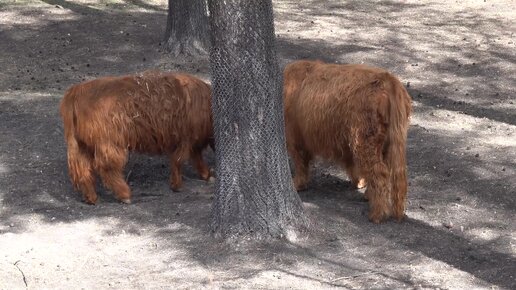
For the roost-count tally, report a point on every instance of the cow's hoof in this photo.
(126, 200)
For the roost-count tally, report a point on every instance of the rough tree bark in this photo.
(187, 32)
(254, 191)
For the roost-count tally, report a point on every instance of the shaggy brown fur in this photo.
(357, 116)
(153, 112)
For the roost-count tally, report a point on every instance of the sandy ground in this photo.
(456, 57)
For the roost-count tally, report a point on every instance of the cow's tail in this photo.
(80, 166)
(398, 113)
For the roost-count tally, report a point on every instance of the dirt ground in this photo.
(458, 59)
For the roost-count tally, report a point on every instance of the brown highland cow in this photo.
(153, 112)
(357, 116)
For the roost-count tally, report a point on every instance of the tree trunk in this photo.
(254, 191)
(187, 31)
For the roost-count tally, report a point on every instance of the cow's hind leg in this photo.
(80, 167)
(355, 176)
(399, 188)
(177, 158)
(301, 161)
(369, 157)
(201, 166)
(110, 161)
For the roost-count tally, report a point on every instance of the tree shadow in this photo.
(85, 9)
(93, 42)
(293, 49)
(505, 115)
(144, 5)
(426, 94)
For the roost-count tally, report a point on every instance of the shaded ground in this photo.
(458, 60)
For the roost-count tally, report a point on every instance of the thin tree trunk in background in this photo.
(187, 32)
(254, 191)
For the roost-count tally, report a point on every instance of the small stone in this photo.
(477, 155)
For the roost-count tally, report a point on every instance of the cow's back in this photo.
(150, 112)
(324, 107)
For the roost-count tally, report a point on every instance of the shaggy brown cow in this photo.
(153, 112)
(357, 116)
